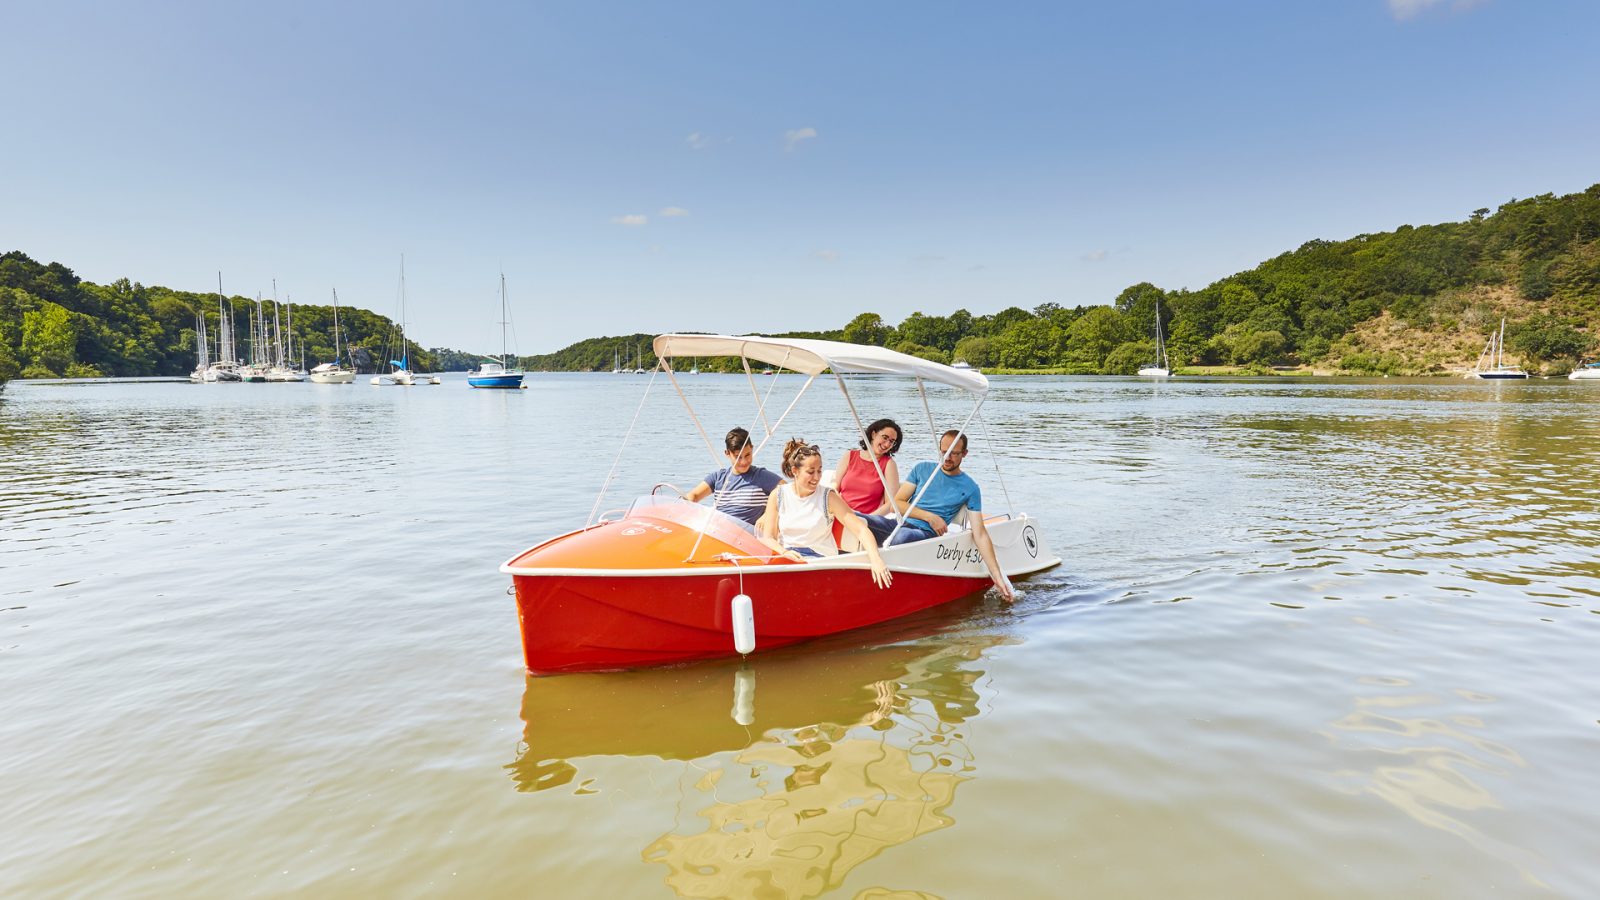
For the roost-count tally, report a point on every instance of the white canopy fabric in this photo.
(813, 356)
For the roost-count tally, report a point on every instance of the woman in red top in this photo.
(857, 476)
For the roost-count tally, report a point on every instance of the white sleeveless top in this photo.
(805, 521)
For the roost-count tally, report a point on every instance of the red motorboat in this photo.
(659, 583)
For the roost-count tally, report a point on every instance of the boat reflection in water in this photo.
(809, 763)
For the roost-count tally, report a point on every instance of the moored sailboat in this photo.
(1494, 356)
(226, 367)
(202, 350)
(1159, 368)
(495, 373)
(401, 373)
(333, 372)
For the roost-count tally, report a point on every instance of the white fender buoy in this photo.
(744, 696)
(744, 624)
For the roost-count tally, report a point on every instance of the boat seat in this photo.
(844, 540)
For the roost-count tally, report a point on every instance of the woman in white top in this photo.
(799, 518)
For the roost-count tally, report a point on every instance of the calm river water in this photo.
(1324, 639)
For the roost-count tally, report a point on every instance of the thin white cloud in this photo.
(826, 255)
(673, 212)
(1402, 10)
(793, 137)
(699, 140)
(632, 221)
(1095, 256)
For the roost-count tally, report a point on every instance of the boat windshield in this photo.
(714, 522)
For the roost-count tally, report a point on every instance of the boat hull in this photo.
(495, 381)
(332, 377)
(577, 617)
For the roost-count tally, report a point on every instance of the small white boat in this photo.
(1159, 368)
(1491, 362)
(225, 368)
(495, 373)
(961, 364)
(332, 372)
(1590, 372)
(402, 374)
(202, 350)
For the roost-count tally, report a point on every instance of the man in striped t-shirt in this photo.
(741, 488)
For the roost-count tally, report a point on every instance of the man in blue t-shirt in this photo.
(948, 490)
(741, 489)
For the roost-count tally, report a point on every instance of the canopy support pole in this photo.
(710, 447)
(761, 406)
(933, 429)
(787, 410)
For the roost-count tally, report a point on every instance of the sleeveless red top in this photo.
(861, 488)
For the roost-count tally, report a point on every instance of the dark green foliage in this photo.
(455, 360)
(1546, 338)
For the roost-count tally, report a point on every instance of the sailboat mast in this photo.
(1161, 350)
(336, 326)
(502, 320)
(405, 361)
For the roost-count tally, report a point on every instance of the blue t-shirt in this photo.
(742, 496)
(945, 496)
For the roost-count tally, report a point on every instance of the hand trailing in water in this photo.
(1002, 586)
(880, 572)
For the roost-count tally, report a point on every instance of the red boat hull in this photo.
(587, 622)
(657, 587)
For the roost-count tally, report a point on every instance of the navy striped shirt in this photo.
(743, 496)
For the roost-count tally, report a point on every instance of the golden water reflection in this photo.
(1431, 767)
(845, 755)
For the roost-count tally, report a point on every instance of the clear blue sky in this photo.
(761, 166)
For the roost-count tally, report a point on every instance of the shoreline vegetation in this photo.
(1414, 301)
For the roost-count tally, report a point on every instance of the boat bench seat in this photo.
(849, 543)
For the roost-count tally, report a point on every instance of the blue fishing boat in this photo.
(494, 373)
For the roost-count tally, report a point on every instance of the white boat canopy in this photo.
(811, 357)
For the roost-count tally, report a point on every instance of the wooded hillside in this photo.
(1417, 300)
